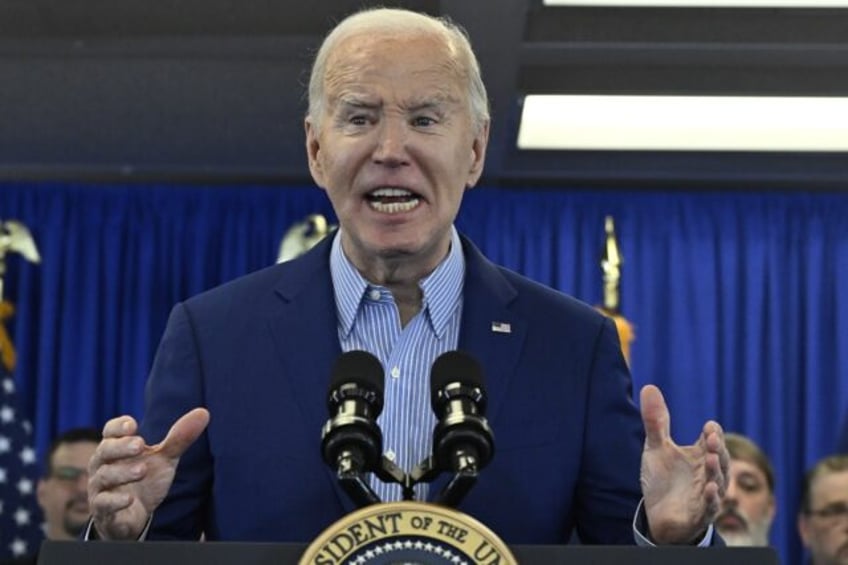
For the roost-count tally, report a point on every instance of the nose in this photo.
(730, 493)
(391, 147)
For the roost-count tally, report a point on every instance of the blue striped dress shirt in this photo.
(369, 320)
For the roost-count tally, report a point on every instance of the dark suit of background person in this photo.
(258, 352)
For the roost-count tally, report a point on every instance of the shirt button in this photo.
(374, 294)
(390, 455)
(395, 372)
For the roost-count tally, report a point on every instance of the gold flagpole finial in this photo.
(302, 236)
(611, 263)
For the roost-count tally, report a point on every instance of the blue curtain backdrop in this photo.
(737, 298)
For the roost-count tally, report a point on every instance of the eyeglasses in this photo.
(831, 513)
(68, 474)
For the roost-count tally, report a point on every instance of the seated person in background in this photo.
(62, 491)
(823, 519)
(748, 507)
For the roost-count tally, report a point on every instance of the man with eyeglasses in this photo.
(823, 520)
(62, 491)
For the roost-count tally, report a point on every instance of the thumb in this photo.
(655, 416)
(183, 433)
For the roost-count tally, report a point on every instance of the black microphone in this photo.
(351, 440)
(463, 443)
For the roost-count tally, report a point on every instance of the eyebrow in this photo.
(436, 102)
(356, 102)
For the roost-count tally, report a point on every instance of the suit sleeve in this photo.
(608, 490)
(174, 387)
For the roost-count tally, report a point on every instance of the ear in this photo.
(772, 510)
(41, 492)
(804, 529)
(313, 151)
(478, 155)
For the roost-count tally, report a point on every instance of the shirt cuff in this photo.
(90, 533)
(640, 529)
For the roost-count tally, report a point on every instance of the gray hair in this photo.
(407, 22)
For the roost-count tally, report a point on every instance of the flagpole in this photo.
(611, 266)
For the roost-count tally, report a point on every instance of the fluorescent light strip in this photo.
(703, 3)
(684, 123)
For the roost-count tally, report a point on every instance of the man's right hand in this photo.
(129, 479)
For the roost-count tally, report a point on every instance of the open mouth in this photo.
(392, 200)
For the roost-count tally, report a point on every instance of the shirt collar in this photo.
(441, 289)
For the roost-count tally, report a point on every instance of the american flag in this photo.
(20, 516)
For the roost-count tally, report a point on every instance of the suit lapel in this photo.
(306, 336)
(490, 331)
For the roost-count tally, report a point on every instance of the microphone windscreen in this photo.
(454, 367)
(360, 368)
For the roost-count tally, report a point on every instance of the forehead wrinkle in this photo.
(352, 60)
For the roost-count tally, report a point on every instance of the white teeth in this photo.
(394, 207)
(393, 200)
(387, 192)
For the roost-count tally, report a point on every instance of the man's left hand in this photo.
(682, 485)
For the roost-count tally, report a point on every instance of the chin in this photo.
(737, 539)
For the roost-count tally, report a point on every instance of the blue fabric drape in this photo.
(735, 296)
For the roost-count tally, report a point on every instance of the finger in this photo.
(713, 502)
(717, 445)
(183, 433)
(111, 450)
(111, 477)
(655, 416)
(120, 427)
(105, 504)
(717, 459)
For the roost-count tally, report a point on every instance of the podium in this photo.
(243, 553)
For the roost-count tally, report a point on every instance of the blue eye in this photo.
(423, 121)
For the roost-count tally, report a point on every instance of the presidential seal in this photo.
(408, 533)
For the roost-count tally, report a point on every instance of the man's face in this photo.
(394, 146)
(747, 509)
(63, 495)
(825, 530)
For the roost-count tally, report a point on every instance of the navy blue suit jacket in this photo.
(257, 352)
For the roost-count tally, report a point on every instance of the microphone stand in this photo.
(349, 473)
(388, 472)
(352, 479)
(464, 478)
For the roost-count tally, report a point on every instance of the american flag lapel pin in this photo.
(501, 327)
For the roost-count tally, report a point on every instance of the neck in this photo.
(58, 534)
(401, 274)
(401, 278)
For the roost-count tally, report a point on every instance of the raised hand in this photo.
(129, 479)
(682, 485)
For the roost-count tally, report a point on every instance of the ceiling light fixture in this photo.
(684, 123)
(705, 3)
